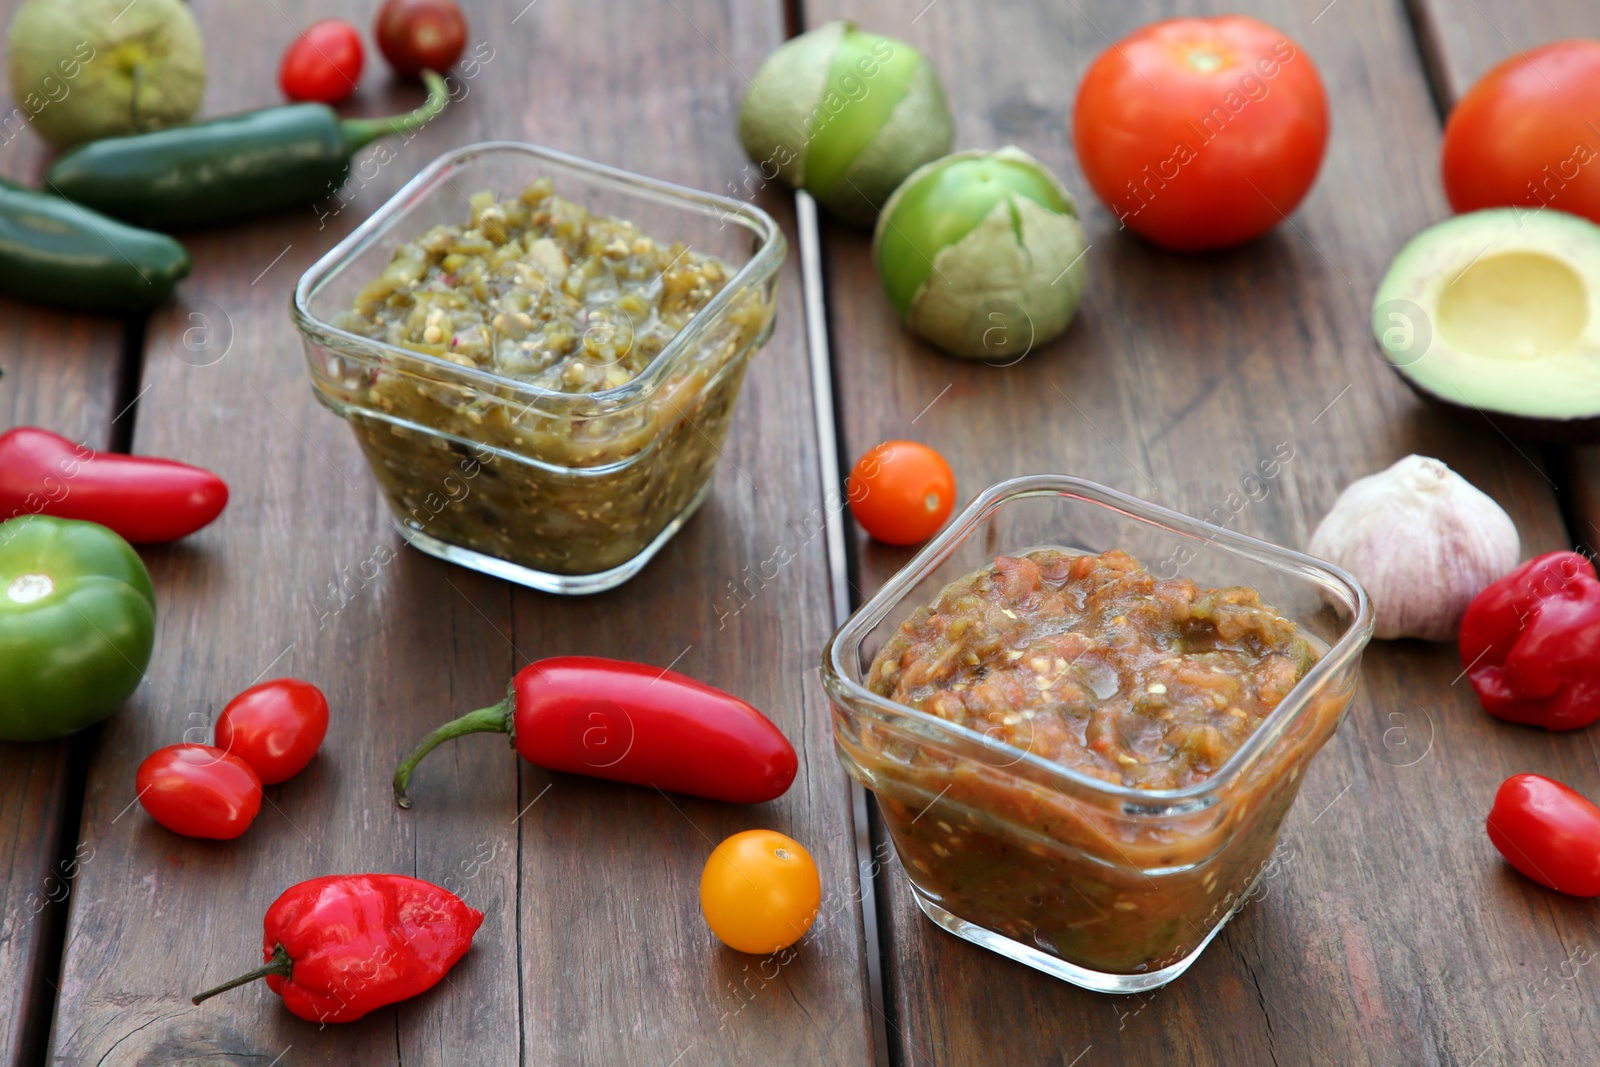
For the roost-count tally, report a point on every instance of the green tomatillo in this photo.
(844, 115)
(77, 622)
(85, 69)
(982, 254)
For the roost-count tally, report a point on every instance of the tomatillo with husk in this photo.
(982, 254)
(77, 624)
(85, 69)
(844, 115)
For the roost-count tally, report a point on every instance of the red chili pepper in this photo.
(1548, 832)
(276, 727)
(1531, 643)
(633, 723)
(145, 500)
(199, 791)
(339, 946)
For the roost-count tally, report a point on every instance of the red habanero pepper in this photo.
(340, 946)
(146, 500)
(632, 723)
(1531, 643)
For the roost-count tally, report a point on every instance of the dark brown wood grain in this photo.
(61, 371)
(593, 949)
(1393, 933)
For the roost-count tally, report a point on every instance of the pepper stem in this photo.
(496, 719)
(280, 964)
(358, 133)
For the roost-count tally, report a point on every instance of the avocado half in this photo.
(1498, 311)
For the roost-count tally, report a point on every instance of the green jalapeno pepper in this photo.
(77, 623)
(56, 252)
(230, 166)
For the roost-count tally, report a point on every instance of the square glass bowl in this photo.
(1108, 887)
(564, 492)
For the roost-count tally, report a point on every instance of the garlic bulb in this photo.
(1423, 541)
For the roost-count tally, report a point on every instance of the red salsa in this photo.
(1091, 663)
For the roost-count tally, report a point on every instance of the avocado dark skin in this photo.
(1580, 431)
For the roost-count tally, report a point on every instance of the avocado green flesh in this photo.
(944, 205)
(865, 103)
(1509, 322)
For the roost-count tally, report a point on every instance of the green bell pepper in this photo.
(77, 623)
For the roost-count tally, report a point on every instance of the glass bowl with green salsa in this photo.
(1084, 718)
(539, 356)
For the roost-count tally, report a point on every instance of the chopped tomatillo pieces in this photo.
(1531, 643)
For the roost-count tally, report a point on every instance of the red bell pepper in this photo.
(339, 946)
(1531, 643)
(145, 500)
(633, 723)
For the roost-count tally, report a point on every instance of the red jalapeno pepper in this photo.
(1531, 643)
(146, 500)
(339, 946)
(633, 723)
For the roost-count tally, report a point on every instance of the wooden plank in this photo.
(1392, 933)
(60, 371)
(593, 949)
(1462, 41)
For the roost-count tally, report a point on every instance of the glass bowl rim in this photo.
(763, 263)
(1160, 801)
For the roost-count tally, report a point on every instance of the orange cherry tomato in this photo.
(199, 791)
(1528, 134)
(1201, 132)
(760, 892)
(276, 727)
(901, 492)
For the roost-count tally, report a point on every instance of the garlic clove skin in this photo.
(1423, 541)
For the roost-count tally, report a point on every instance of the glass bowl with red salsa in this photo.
(1084, 718)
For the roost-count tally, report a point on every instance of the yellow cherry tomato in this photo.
(760, 891)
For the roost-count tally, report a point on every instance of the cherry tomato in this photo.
(419, 35)
(276, 727)
(1201, 132)
(199, 791)
(760, 891)
(1526, 134)
(901, 492)
(324, 63)
(1548, 832)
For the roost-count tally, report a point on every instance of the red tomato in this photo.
(199, 791)
(901, 492)
(1548, 832)
(1201, 132)
(1528, 133)
(276, 727)
(419, 35)
(323, 64)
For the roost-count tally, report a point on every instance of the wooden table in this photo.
(1390, 933)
